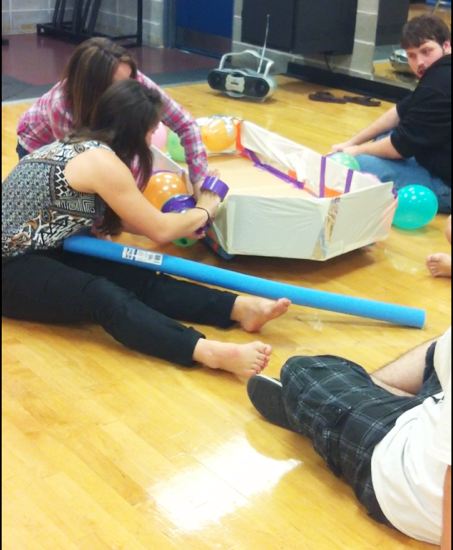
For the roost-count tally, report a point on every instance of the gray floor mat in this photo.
(16, 90)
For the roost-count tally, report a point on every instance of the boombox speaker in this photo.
(243, 82)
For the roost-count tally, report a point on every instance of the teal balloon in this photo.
(346, 160)
(174, 147)
(417, 206)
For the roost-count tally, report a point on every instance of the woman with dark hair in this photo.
(70, 184)
(94, 65)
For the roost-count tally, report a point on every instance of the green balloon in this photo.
(174, 147)
(184, 242)
(346, 160)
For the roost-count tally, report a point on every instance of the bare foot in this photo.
(244, 360)
(253, 312)
(439, 265)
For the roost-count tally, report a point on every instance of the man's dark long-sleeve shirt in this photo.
(424, 131)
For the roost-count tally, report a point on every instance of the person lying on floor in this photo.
(411, 143)
(68, 185)
(387, 434)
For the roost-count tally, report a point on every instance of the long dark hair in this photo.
(89, 72)
(125, 113)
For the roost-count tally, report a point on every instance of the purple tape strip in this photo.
(322, 182)
(349, 181)
(178, 203)
(253, 156)
(215, 185)
(284, 177)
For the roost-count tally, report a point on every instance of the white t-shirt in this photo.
(409, 465)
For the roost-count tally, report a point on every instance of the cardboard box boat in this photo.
(288, 201)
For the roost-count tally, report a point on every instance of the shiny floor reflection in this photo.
(197, 496)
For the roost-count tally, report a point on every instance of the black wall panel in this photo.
(254, 21)
(301, 26)
(393, 15)
(325, 26)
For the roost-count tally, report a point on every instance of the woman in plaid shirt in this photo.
(94, 65)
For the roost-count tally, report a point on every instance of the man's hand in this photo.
(353, 150)
(382, 148)
(340, 147)
(384, 124)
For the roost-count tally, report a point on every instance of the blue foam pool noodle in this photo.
(382, 311)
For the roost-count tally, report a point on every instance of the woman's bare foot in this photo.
(439, 264)
(253, 313)
(244, 360)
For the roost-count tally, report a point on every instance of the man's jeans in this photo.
(405, 172)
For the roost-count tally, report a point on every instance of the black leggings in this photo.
(134, 305)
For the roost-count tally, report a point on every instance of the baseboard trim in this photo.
(379, 90)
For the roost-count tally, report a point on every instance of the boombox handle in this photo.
(269, 62)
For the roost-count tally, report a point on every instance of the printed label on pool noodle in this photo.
(142, 256)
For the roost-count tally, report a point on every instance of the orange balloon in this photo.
(162, 186)
(219, 133)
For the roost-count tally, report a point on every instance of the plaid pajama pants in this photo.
(336, 404)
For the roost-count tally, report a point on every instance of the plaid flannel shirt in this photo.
(50, 119)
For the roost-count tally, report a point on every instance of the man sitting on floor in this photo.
(411, 143)
(388, 435)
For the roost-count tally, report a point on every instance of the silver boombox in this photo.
(243, 82)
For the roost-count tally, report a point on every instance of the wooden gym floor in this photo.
(104, 448)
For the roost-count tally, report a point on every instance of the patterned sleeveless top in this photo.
(39, 208)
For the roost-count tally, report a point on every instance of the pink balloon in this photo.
(159, 138)
(372, 176)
